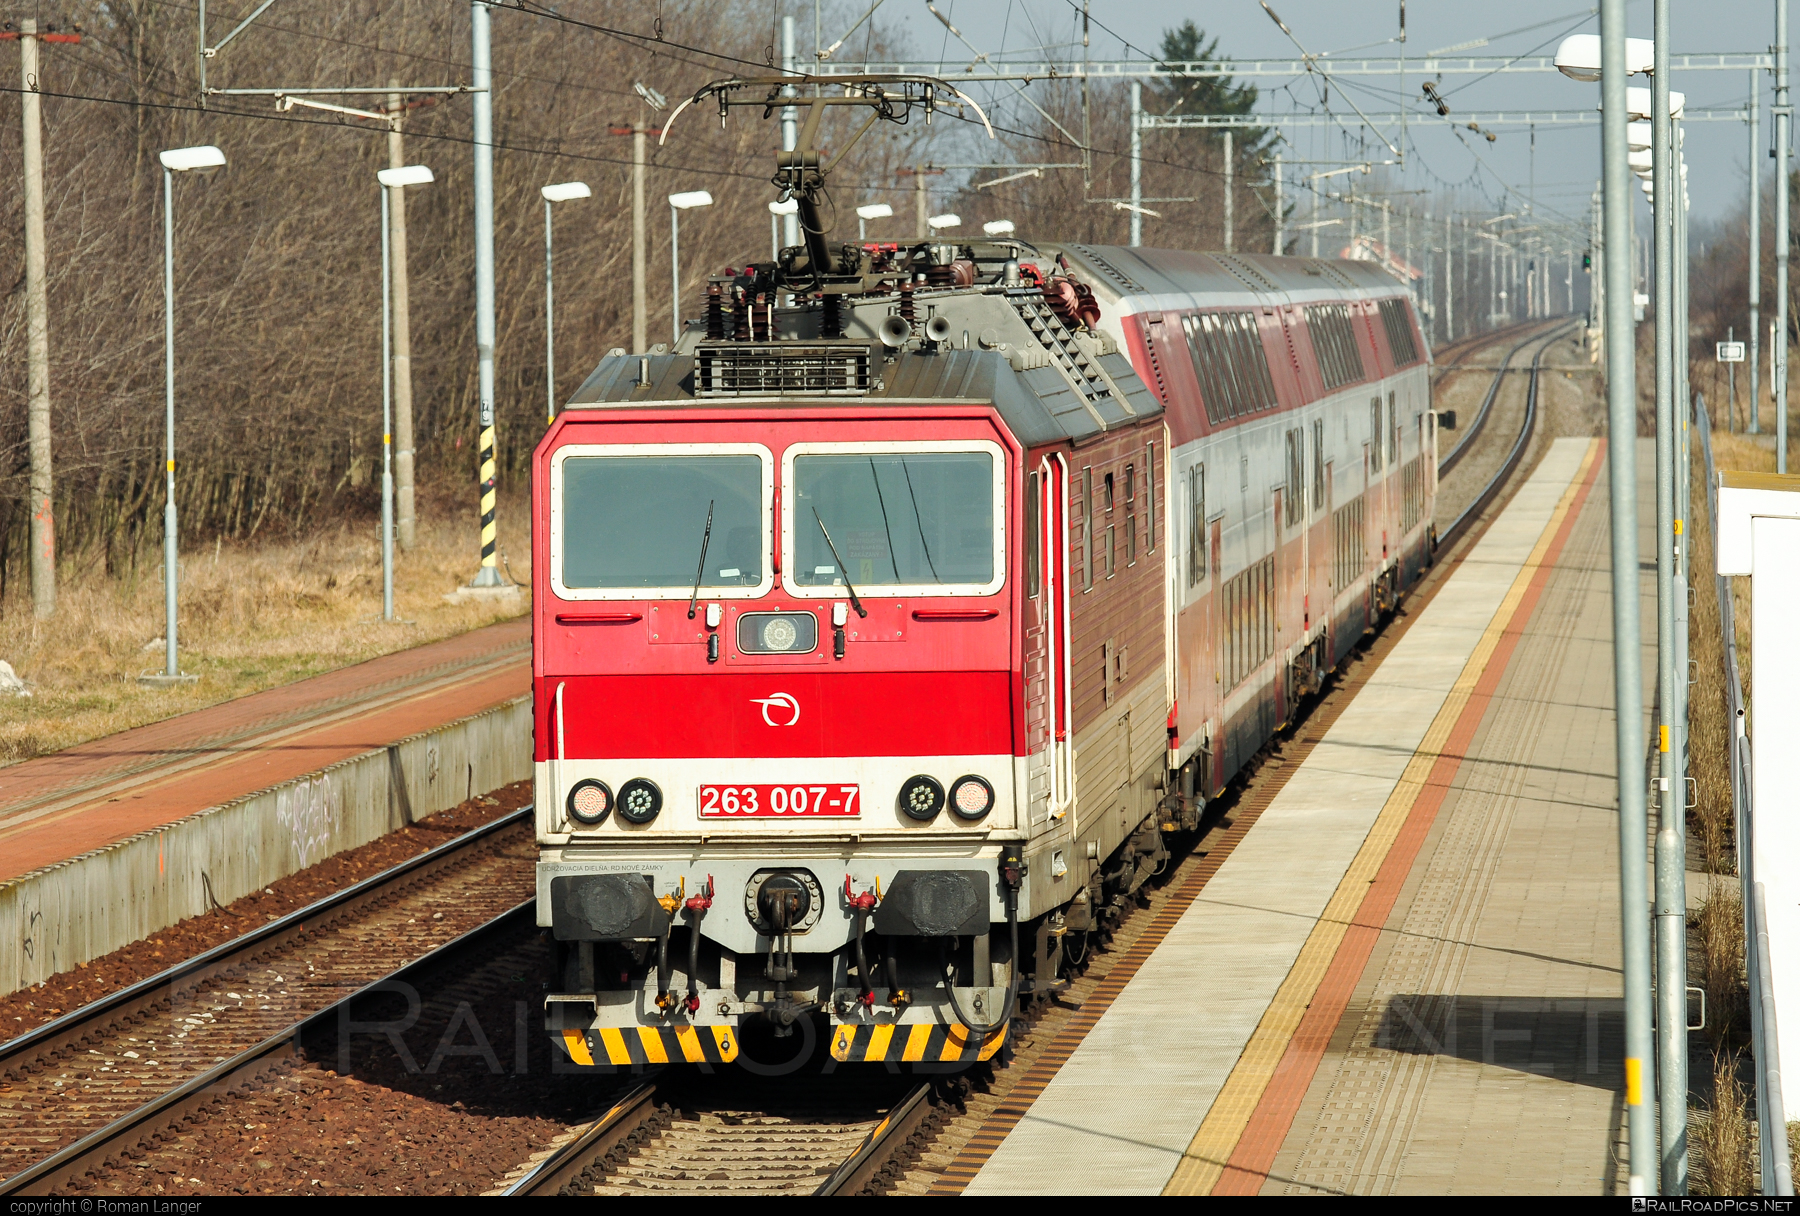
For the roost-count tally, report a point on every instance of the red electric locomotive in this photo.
(882, 636)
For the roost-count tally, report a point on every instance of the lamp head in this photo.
(184, 160)
(784, 207)
(940, 222)
(1579, 56)
(411, 175)
(655, 100)
(689, 199)
(874, 211)
(998, 227)
(562, 192)
(1640, 105)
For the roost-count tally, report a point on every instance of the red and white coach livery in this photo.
(883, 637)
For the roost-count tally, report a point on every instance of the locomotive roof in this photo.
(1042, 396)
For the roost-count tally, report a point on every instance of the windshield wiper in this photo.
(854, 602)
(700, 570)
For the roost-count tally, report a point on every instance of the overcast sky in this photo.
(1567, 158)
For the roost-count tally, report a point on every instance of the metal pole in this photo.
(921, 202)
(1731, 386)
(640, 238)
(1228, 192)
(1137, 164)
(482, 78)
(790, 124)
(170, 670)
(1671, 903)
(1755, 249)
(37, 332)
(1783, 117)
(387, 414)
(406, 526)
(1449, 281)
(675, 274)
(549, 326)
(1280, 217)
(1621, 399)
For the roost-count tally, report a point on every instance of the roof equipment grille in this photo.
(740, 369)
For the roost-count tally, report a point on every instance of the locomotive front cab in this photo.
(776, 697)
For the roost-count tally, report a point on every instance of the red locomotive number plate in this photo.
(773, 801)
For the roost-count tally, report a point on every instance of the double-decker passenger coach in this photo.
(889, 624)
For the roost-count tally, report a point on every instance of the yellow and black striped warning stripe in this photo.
(652, 1045)
(911, 1044)
(487, 495)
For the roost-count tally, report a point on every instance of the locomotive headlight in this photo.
(921, 798)
(640, 800)
(589, 801)
(971, 797)
(779, 634)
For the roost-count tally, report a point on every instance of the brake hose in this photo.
(981, 1029)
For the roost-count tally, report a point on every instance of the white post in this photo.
(1137, 164)
(1230, 166)
(674, 274)
(405, 514)
(387, 414)
(790, 122)
(37, 331)
(640, 239)
(1279, 205)
(170, 670)
(549, 326)
(481, 76)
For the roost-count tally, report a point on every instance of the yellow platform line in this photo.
(1204, 1161)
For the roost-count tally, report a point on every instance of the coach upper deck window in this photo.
(903, 518)
(1229, 360)
(1334, 342)
(629, 521)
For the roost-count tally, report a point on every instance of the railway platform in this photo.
(69, 803)
(1405, 977)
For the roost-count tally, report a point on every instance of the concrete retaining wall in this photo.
(74, 911)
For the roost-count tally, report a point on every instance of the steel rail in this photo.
(1474, 429)
(878, 1147)
(240, 1071)
(1473, 511)
(561, 1171)
(69, 1030)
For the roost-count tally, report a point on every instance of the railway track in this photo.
(103, 1079)
(677, 1133)
(83, 1095)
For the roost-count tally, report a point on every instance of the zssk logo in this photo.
(776, 705)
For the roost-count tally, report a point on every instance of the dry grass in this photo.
(1719, 926)
(1722, 1139)
(251, 617)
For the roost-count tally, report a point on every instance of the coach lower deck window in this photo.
(636, 523)
(912, 519)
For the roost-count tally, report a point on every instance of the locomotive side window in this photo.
(1149, 498)
(1087, 529)
(919, 518)
(1034, 543)
(636, 521)
(1130, 515)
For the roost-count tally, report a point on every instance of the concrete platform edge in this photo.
(62, 915)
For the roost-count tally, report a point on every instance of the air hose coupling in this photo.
(1012, 867)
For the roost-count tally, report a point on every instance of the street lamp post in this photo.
(684, 201)
(562, 192)
(392, 180)
(1610, 57)
(867, 212)
(175, 160)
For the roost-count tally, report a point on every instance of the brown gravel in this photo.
(446, 1124)
(32, 1007)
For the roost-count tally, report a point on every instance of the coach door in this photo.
(1053, 549)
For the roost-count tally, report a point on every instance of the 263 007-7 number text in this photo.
(769, 801)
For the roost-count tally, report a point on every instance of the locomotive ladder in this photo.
(1086, 375)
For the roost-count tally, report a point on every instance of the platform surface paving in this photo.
(1405, 977)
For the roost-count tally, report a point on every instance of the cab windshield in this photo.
(637, 522)
(897, 519)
